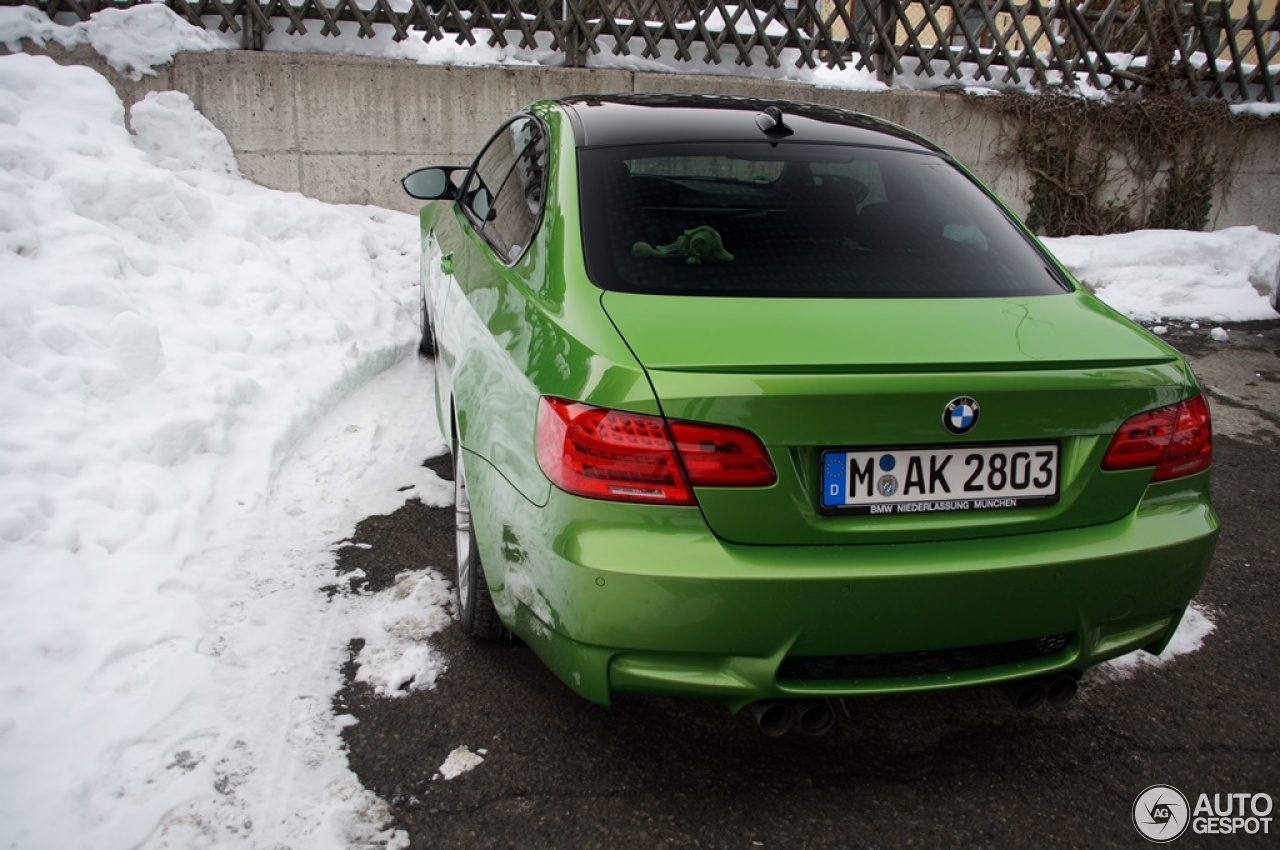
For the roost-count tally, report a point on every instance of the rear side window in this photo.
(504, 192)
(799, 220)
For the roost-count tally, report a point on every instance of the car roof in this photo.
(629, 119)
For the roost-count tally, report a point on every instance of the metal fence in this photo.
(1226, 50)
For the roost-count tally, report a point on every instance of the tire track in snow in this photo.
(271, 767)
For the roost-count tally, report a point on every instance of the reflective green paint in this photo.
(511, 334)
(664, 607)
(707, 601)
(863, 373)
(869, 336)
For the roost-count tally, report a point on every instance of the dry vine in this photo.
(1108, 167)
(1154, 159)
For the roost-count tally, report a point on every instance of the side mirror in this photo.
(431, 184)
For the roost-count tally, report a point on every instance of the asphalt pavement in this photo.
(960, 769)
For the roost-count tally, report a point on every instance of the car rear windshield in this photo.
(758, 219)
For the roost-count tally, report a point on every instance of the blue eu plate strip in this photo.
(834, 478)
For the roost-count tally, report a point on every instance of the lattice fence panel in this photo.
(1224, 49)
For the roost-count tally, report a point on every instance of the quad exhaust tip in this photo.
(815, 717)
(777, 717)
(1030, 694)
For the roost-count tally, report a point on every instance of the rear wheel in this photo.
(476, 613)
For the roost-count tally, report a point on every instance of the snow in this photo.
(1196, 625)
(395, 658)
(137, 40)
(1257, 109)
(133, 41)
(460, 761)
(1150, 275)
(207, 385)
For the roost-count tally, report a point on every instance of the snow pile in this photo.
(1224, 276)
(175, 140)
(198, 404)
(133, 41)
(395, 658)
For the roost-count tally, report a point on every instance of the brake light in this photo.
(1177, 440)
(633, 457)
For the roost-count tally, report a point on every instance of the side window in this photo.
(504, 194)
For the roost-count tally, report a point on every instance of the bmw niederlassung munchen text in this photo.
(768, 403)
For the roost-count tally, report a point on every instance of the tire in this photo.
(426, 342)
(476, 613)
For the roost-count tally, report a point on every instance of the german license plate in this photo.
(924, 479)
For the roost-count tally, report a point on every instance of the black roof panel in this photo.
(617, 119)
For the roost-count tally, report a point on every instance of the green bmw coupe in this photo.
(766, 402)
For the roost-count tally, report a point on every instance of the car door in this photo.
(481, 308)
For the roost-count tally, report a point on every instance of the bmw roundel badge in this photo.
(961, 415)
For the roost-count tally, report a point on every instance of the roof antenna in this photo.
(771, 124)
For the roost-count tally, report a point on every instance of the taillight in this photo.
(1177, 440)
(718, 456)
(632, 457)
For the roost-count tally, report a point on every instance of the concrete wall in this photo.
(345, 129)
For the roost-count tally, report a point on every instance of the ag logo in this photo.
(1161, 813)
(960, 415)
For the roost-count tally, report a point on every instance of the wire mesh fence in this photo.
(1201, 48)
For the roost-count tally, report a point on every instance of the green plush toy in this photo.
(697, 246)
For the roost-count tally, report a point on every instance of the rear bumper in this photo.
(647, 600)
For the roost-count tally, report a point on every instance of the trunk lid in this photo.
(814, 375)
